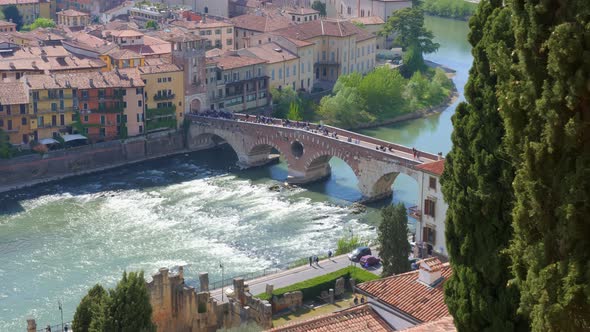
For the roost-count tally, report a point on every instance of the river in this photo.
(196, 210)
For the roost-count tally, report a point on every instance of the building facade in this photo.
(214, 33)
(16, 117)
(72, 18)
(30, 10)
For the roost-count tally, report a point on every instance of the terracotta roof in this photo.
(368, 20)
(434, 263)
(323, 27)
(13, 93)
(214, 52)
(271, 52)
(262, 23)
(72, 13)
(229, 61)
(435, 167)
(124, 54)
(151, 46)
(444, 324)
(356, 319)
(51, 58)
(210, 23)
(115, 79)
(126, 33)
(164, 68)
(4, 24)
(404, 292)
(174, 34)
(302, 11)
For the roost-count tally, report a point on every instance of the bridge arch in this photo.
(263, 148)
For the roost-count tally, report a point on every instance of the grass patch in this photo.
(312, 288)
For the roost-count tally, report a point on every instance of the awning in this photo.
(73, 137)
(48, 141)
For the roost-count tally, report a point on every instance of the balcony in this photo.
(164, 97)
(332, 63)
(414, 212)
(152, 113)
(53, 97)
(12, 130)
(62, 110)
(101, 99)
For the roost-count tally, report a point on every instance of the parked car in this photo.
(359, 252)
(369, 260)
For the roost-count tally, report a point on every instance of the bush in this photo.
(449, 8)
(347, 244)
(312, 288)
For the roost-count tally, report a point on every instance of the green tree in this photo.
(129, 308)
(6, 149)
(345, 109)
(151, 24)
(408, 26)
(392, 237)
(281, 101)
(476, 184)
(294, 114)
(89, 316)
(382, 91)
(12, 13)
(545, 104)
(320, 7)
(40, 22)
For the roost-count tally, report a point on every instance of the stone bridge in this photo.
(307, 151)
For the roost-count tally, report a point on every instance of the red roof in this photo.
(444, 324)
(406, 293)
(356, 319)
(435, 167)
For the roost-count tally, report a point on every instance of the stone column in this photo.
(331, 295)
(269, 289)
(204, 281)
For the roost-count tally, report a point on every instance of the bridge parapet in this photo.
(308, 150)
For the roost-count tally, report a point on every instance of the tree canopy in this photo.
(320, 7)
(40, 22)
(89, 315)
(6, 149)
(392, 237)
(11, 13)
(476, 184)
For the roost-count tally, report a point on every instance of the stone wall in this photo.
(181, 308)
(53, 165)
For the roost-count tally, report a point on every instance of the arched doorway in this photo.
(196, 105)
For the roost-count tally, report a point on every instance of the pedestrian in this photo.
(355, 301)
(329, 253)
(66, 328)
(310, 260)
(48, 328)
(417, 154)
(317, 260)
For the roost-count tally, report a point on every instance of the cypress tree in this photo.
(129, 308)
(89, 314)
(392, 237)
(476, 184)
(546, 107)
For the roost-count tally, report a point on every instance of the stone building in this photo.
(30, 10)
(178, 307)
(215, 33)
(72, 18)
(7, 26)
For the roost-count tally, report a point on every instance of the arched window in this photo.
(206, 10)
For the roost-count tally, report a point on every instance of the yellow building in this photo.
(52, 101)
(72, 18)
(30, 10)
(164, 96)
(16, 118)
(216, 34)
(122, 58)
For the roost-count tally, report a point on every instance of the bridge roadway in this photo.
(307, 149)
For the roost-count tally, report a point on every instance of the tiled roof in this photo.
(114, 79)
(435, 167)
(17, 2)
(444, 324)
(13, 93)
(151, 46)
(270, 52)
(262, 23)
(124, 54)
(229, 61)
(206, 24)
(126, 33)
(368, 20)
(357, 319)
(72, 13)
(323, 27)
(302, 11)
(434, 263)
(4, 24)
(404, 292)
(164, 68)
(51, 58)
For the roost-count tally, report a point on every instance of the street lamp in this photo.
(222, 281)
(62, 314)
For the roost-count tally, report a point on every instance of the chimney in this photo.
(91, 82)
(440, 157)
(429, 272)
(131, 81)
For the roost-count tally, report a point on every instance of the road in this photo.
(298, 274)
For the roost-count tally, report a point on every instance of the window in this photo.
(85, 118)
(54, 107)
(23, 109)
(229, 41)
(287, 74)
(272, 75)
(139, 104)
(429, 235)
(280, 73)
(169, 79)
(432, 183)
(102, 119)
(294, 70)
(23, 121)
(323, 55)
(101, 93)
(429, 207)
(62, 120)
(102, 132)
(217, 31)
(229, 30)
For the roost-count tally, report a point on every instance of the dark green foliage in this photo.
(151, 24)
(320, 7)
(40, 23)
(408, 26)
(312, 288)
(476, 184)
(546, 107)
(282, 100)
(6, 149)
(89, 315)
(129, 308)
(392, 237)
(459, 9)
(12, 13)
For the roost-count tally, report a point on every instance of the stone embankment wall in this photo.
(181, 308)
(38, 168)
